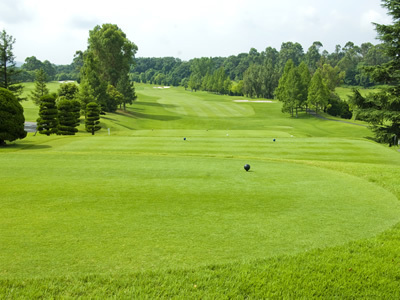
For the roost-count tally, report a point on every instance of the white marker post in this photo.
(108, 131)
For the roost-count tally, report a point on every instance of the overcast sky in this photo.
(55, 30)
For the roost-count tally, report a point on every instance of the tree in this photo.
(115, 98)
(47, 123)
(68, 116)
(281, 92)
(68, 90)
(85, 95)
(290, 50)
(127, 90)
(8, 70)
(92, 117)
(382, 109)
(313, 56)
(318, 93)
(40, 87)
(107, 60)
(32, 64)
(11, 118)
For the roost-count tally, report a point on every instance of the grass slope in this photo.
(144, 213)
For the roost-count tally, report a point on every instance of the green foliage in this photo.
(114, 98)
(68, 90)
(107, 62)
(127, 90)
(318, 93)
(47, 123)
(40, 87)
(8, 70)
(338, 108)
(92, 117)
(382, 109)
(11, 117)
(293, 87)
(68, 116)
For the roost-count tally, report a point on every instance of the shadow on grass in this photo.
(138, 115)
(156, 104)
(24, 146)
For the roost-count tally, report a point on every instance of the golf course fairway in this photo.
(166, 192)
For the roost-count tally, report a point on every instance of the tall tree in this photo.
(382, 109)
(313, 56)
(11, 118)
(281, 92)
(318, 93)
(8, 70)
(40, 87)
(290, 50)
(47, 123)
(92, 117)
(107, 60)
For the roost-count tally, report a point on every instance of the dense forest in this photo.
(255, 74)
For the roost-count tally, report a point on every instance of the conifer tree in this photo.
(8, 69)
(68, 116)
(318, 93)
(47, 123)
(40, 86)
(92, 117)
(382, 109)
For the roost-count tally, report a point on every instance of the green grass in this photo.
(142, 213)
(31, 111)
(345, 92)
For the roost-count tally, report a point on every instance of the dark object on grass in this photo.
(274, 140)
(247, 167)
(184, 139)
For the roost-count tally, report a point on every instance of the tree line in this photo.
(301, 80)
(260, 71)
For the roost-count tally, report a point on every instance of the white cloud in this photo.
(54, 30)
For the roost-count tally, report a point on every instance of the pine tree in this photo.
(68, 116)
(8, 70)
(40, 86)
(47, 123)
(92, 117)
(382, 109)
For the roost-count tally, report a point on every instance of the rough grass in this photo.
(145, 214)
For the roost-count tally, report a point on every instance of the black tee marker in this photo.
(247, 167)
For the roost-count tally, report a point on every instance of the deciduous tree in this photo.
(107, 60)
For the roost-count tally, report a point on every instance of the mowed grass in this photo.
(144, 213)
(31, 110)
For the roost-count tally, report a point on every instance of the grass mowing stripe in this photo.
(143, 213)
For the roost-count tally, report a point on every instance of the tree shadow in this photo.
(24, 146)
(138, 115)
(155, 104)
